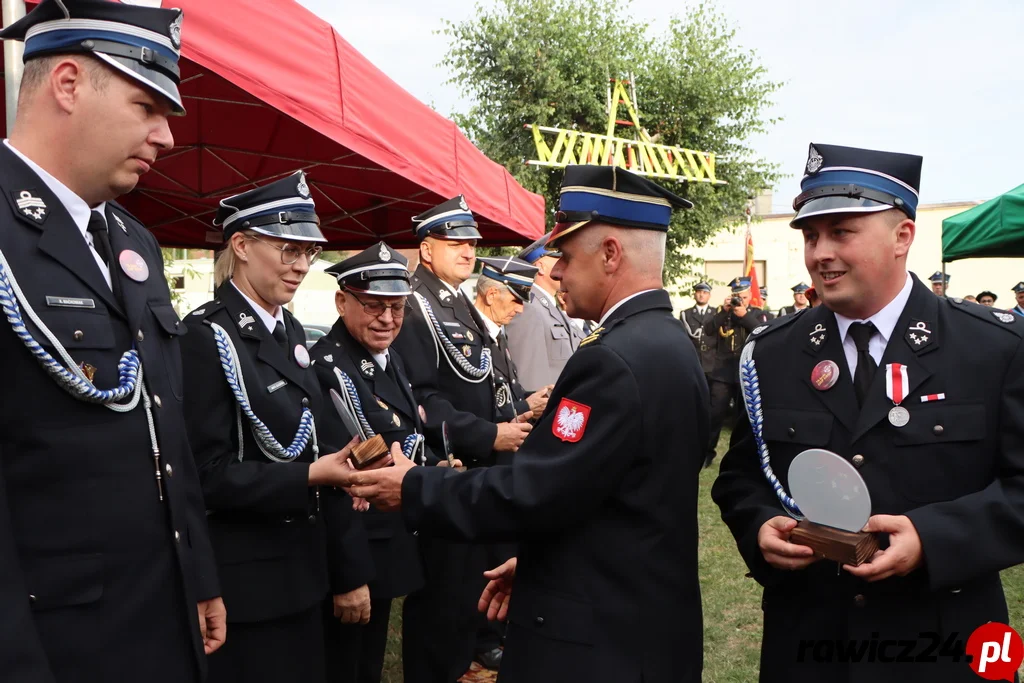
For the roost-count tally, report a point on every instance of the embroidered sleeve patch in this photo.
(570, 420)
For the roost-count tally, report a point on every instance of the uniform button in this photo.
(79, 335)
(937, 430)
(140, 336)
(305, 403)
(539, 621)
(177, 324)
(858, 460)
(312, 519)
(954, 591)
(32, 598)
(169, 470)
(157, 401)
(791, 431)
(177, 536)
(859, 600)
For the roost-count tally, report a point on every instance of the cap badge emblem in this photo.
(176, 31)
(384, 254)
(302, 188)
(814, 160)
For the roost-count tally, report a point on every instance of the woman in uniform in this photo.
(279, 529)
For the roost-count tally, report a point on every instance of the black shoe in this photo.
(491, 659)
(708, 460)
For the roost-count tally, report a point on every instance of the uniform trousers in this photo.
(289, 648)
(355, 652)
(722, 393)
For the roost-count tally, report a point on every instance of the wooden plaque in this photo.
(846, 547)
(365, 453)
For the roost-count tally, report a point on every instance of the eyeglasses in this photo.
(377, 308)
(291, 253)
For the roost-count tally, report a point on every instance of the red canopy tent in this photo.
(271, 88)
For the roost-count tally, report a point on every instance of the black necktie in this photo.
(866, 366)
(280, 335)
(101, 243)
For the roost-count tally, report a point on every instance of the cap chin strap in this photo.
(852, 191)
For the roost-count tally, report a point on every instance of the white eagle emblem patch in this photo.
(570, 420)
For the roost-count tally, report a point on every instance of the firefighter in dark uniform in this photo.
(602, 495)
(104, 549)
(502, 290)
(696, 320)
(356, 361)
(938, 450)
(278, 528)
(1018, 292)
(939, 283)
(729, 328)
(448, 362)
(799, 300)
(768, 315)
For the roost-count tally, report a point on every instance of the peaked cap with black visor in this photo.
(141, 43)
(613, 196)
(378, 271)
(853, 180)
(513, 272)
(282, 209)
(451, 220)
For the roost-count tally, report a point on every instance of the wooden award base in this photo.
(365, 453)
(846, 547)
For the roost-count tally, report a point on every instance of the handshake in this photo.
(380, 483)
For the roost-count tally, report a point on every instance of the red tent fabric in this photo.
(271, 88)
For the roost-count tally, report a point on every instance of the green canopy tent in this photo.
(992, 229)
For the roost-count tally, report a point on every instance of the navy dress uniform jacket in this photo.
(467, 407)
(606, 586)
(98, 577)
(730, 333)
(394, 554)
(956, 470)
(705, 343)
(280, 547)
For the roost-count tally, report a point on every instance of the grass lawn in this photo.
(732, 603)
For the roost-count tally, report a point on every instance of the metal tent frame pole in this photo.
(13, 67)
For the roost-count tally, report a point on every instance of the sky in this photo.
(941, 79)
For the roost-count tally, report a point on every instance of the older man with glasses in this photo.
(356, 361)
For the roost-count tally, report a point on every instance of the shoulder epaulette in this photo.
(205, 310)
(600, 332)
(774, 324)
(1010, 322)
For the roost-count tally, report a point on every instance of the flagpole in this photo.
(13, 67)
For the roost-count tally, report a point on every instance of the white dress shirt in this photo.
(613, 308)
(76, 207)
(493, 329)
(381, 359)
(884, 321)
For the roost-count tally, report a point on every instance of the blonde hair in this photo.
(224, 265)
(226, 261)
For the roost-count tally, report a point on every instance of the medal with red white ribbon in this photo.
(896, 382)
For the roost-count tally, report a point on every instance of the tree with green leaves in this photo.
(549, 62)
